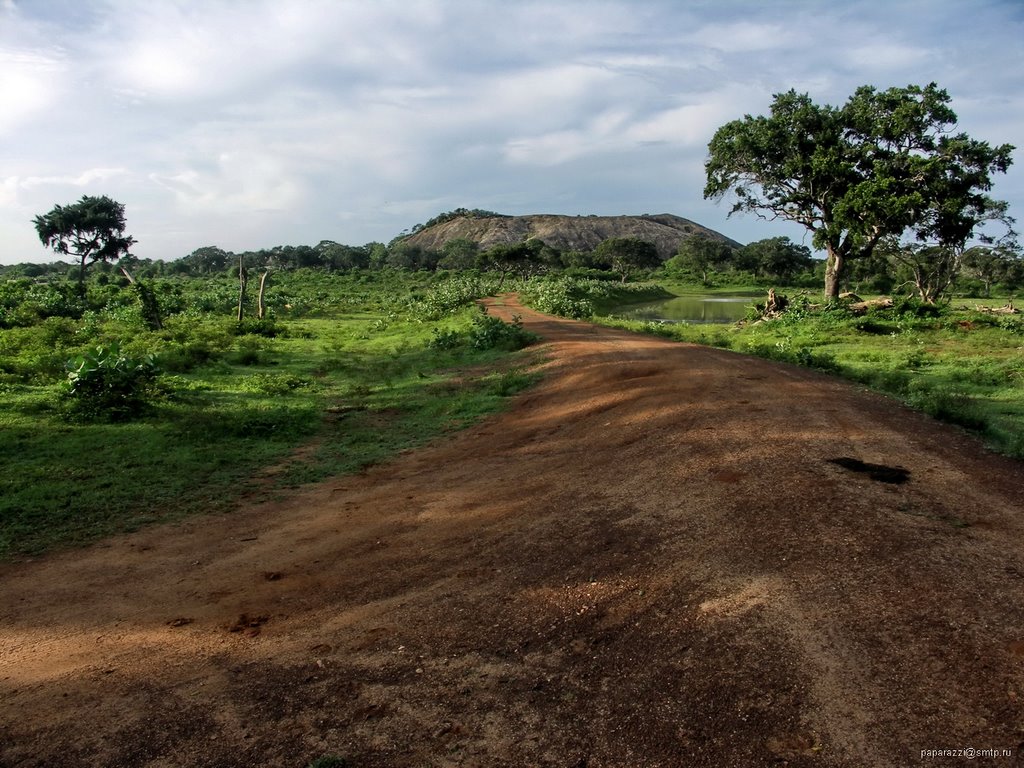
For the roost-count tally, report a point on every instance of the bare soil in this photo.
(662, 555)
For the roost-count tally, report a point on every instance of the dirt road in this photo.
(663, 555)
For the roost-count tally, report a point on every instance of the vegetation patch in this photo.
(110, 425)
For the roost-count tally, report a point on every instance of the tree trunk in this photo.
(81, 276)
(833, 274)
(261, 307)
(501, 282)
(243, 281)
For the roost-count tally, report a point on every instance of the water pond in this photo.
(694, 308)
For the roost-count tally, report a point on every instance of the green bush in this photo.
(491, 333)
(104, 384)
(448, 296)
(564, 296)
(486, 333)
(445, 339)
(254, 327)
(274, 383)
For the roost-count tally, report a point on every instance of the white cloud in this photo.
(29, 85)
(83, 179)
(745, 36)
(238, 182)
(9, 192)
(880, 56)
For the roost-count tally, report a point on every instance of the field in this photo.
(345, 371)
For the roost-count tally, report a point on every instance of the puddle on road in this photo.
(879, 472)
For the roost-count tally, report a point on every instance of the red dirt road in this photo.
(649, 560)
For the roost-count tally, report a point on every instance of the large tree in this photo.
(886, 164)
(91, 230)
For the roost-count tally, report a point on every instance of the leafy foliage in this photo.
(491, 333)
(564, 296)
(188, 415)
(628, 255)
(884, 164)
(699, 256)
(450, 295)
(459, 213)
(91, 229)
(487, 332)
(105, 384)
(580, 298)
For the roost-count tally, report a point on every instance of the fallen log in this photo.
(860, 307)
(1009, 309)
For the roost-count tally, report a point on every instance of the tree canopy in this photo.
(627, 255)
(700, 255)
(886, 164)
(775, 257)
(91, 229)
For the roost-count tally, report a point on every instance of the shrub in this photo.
(444, 339)
(486, 333)
(104, 384)
(491, 333)
(265, 327)
(510, 382)
(274, 383)
(181, 358)
(564, 296)
(448, 296)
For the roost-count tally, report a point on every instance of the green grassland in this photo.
(345, 372)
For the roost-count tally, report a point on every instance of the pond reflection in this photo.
(696, 308)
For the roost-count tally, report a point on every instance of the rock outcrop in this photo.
(567, 233)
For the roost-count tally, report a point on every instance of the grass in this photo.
(331, 391)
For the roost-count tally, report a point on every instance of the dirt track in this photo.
(650, 560)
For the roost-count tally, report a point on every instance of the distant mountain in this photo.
(567, 233)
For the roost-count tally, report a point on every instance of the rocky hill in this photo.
(567, 233)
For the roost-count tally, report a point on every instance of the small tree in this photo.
(930, 269)
(459, 253)
(777, 258)
(91, 230)
(991, 264)
(523, 258)
(700, 255)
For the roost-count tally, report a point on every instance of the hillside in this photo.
(567, 233)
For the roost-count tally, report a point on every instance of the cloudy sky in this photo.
(253, 123)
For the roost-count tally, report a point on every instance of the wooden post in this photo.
(243, 281)
(261, 307)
